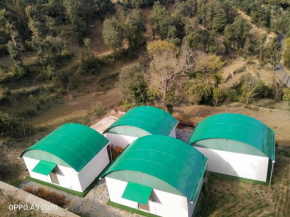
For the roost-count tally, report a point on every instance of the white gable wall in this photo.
(235, 164)
(66, 176)
(89, 173)
(173, 132)
(160, 203)
(120, 140)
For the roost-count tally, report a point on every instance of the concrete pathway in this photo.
(93, 205)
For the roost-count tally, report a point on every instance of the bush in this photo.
(233, 95)
(90, 64)
(4, 93)
(47, 195)
(116, 152)
(96, 111)
(12, 126)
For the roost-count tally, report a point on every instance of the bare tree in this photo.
(278, 87)
(248, 88)
(167, 72)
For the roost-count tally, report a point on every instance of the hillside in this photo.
(76, 61)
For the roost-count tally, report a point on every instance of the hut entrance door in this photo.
(144, 207)
(53, 177)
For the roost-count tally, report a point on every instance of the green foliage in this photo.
(104, 6)
(198, 89)
(217, 95)
(4, 93)
(96, 111)
(79, 13)
(158, 47)
(90, 64)
(134, 29)
(281, 22)
(209, 64)
(260, 15)
(195, 37)
(249, 89)
(215, 15)
(184, 9)
(113, 34)
(12, 127)
(232, 95)
(132, 85)
(139, 90)
(165, 26)
(237, 33)
(286, 53)
(9, 23)
(270, 52)
(286, 95)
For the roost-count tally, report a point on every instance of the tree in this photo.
(277, 87)
(79, 13)
(195, 37)
(166, 71)
(237, 33)
(139, 90)
(104, 6)
(217, 95)
(286, 53)
(209, 64)
(112, 34)
(159, 46)
(286, 95)
(198, 89)
(8, 21)
(248, 88)
(270, 52)
(132, 85)
(164, 26)
(48, 48)
(184, 9)
(134, 29)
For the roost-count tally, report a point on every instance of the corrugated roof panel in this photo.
(168, 159)
(75, 144)
(237, 127)
(153, 120)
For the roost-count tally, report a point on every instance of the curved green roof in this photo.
(237, 127)
(168, 159)
(75, 144)
(150, 119)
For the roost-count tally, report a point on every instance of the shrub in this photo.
(47, 195)
(12, 126)
(90, 64)
(116, 152)
(4, 93)
(96, 111)
(233, 95)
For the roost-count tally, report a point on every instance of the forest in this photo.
(178, 49)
